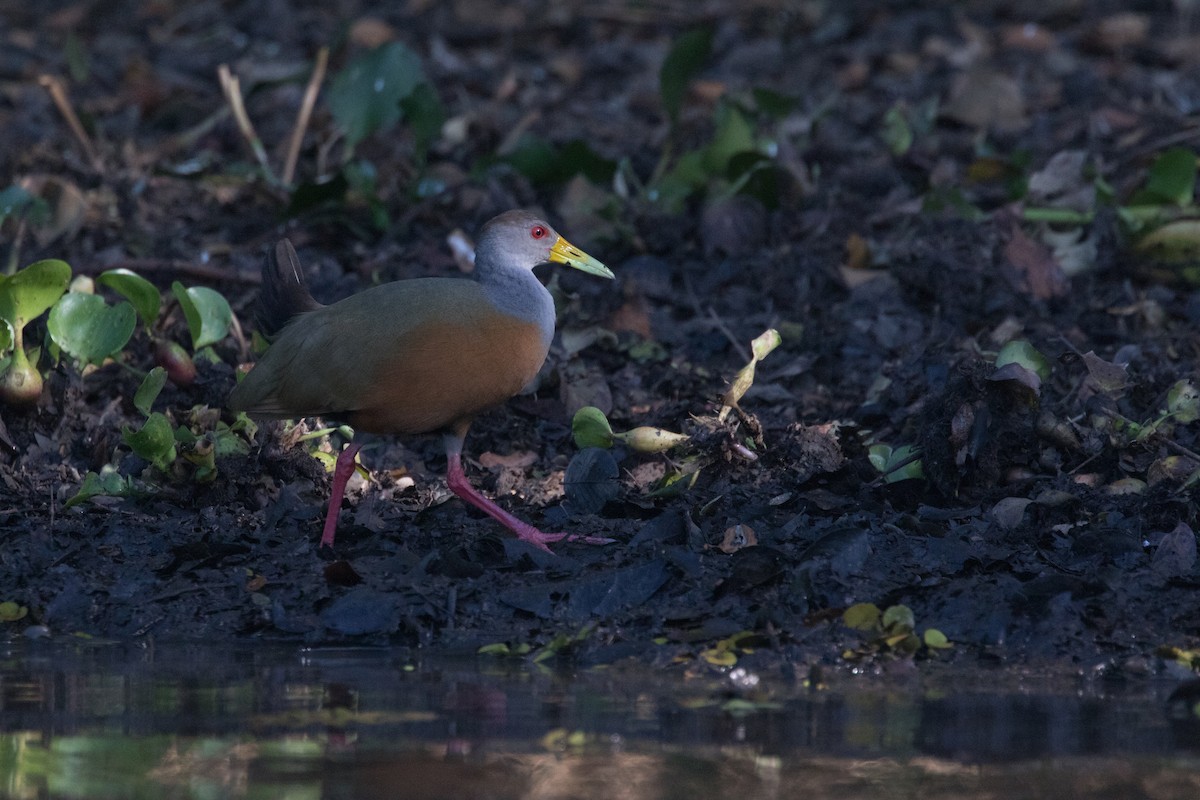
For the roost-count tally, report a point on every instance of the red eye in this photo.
(538, 232)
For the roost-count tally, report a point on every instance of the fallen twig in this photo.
(302, 118)
(232, 90)
(58, 93)
(181, 267)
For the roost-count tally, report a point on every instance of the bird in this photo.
(415, 356)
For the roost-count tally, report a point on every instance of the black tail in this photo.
(284, 292)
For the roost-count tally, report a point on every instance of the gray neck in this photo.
(518, 293)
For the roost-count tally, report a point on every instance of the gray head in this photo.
(522, 240)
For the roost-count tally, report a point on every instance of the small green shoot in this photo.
(896, 464)
(107, 483)
(24, 297)
(1024, 354)
(724, 653)
(1020, 361)
(12, 612)
(889, 631)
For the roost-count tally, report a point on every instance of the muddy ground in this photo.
(1041, 529)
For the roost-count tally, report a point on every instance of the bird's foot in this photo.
(528, 533)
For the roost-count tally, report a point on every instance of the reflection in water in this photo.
(121, 722)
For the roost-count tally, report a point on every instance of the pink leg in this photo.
(341, 473)
(456, 479)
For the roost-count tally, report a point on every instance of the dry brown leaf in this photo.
(737, 537)
(1036, 271)
(516, 460)
(985, 98)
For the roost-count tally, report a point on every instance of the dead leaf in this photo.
(1009, 511)
(1176, 553)
(1118, 32)
(737, 537)
(1105, 377)
(516, 460)
(985, 98)
(1036, 272)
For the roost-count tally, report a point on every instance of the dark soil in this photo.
(894, 280)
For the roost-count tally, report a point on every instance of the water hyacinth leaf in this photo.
(89, 329)
(27, 294)
(590, 428)
(207, 312)
(862, 617)
(688, 55)
(143, 294)
(365, 97)
(154, 441)
(147, 393)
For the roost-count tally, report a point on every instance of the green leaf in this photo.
(6, 338)
(1172, 177)
(897, 133)
(734, 135)
(154, 441)
(365, 97)
(591, 428)
(1024, 354)
(15, 200)
(143, 294)
(762, 345)
(108, 483)
(861, 617)
(898, 616)
(207, 311)
(227, 443)
(1183, 401)
(425, 114)
(27, 294)
(936, 640)
(329, 190)
(88, 328)
(774, 103)
(895, 464)
(146, 394)
(11, 611)
(688, 55)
